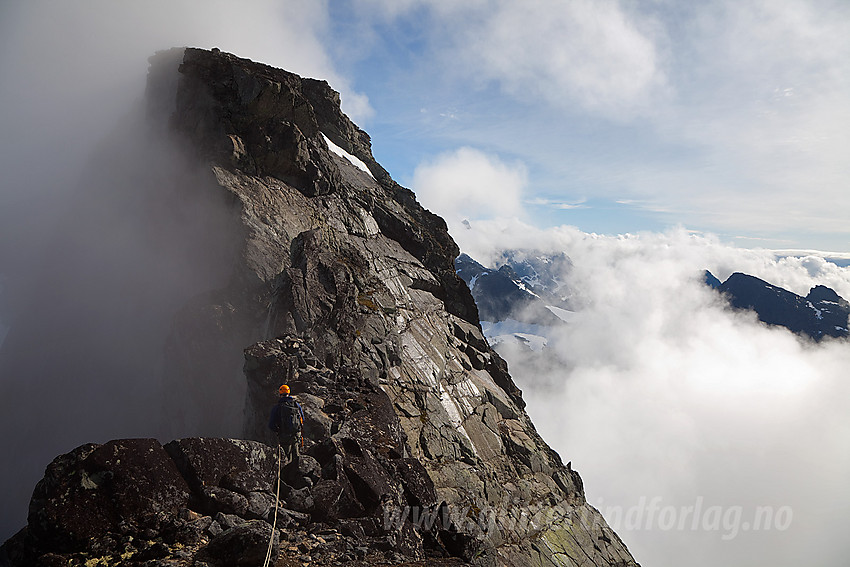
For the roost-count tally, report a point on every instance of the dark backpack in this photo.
(290, 417)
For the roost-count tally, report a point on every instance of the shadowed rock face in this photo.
(417, 446)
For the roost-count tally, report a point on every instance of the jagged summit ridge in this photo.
(344, 287)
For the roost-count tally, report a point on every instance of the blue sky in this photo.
(727, 117)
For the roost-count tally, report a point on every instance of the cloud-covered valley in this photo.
(672, 405)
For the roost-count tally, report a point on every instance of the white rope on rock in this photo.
(276, 503)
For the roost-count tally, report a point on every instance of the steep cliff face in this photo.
(344, 287)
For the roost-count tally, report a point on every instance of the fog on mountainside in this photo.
(89, 207)
(673, 405)
(91, 301)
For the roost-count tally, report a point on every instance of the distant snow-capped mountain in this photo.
(522, 298)
(525, 286)
(527, 295)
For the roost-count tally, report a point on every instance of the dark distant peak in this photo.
(822, 313)
(821, 293)
(465, 259)
(742, 285)
(711, 280)
(509, 272)
(751, 292)
(742, 279)
(468, 269)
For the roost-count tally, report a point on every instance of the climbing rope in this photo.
(276, 503)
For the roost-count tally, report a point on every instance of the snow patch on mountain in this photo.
(529, 335)
(563, 314)
(356, 162)
(475, 279)
(521, 285)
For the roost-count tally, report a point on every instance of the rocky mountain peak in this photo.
(259, 119)
(266, 122)
(417, 447)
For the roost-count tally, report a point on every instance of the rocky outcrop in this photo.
(417, 447)
(207, 501)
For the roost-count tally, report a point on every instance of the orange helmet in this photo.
(284, 389)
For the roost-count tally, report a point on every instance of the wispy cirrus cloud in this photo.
(556, 204)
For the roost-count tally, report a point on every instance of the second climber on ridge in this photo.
(287, 420)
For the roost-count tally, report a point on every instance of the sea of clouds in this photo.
(704, 436)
